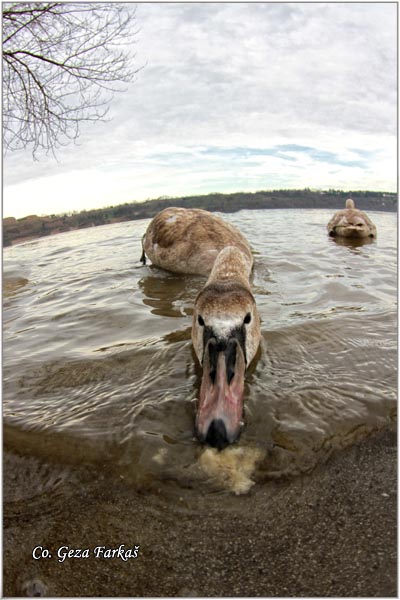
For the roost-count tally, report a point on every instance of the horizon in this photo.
(189, 196)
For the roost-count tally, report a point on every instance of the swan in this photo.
(226, 325)
(351, 223)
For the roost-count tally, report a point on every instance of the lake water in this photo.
(99, 368)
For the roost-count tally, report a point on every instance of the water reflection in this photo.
(169, 295)
(12, 285)
(352, 242)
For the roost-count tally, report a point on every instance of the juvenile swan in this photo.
(226, 325)
(351, 223)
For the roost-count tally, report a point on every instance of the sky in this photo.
(232, 97)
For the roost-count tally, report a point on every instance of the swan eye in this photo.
(200, 321)
(247, 319)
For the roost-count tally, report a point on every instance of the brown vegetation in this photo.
(18, 230)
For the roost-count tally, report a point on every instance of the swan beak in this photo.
(219, 415)
(349, 230)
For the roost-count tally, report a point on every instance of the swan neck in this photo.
(232, 264)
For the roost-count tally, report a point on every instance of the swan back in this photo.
(189, 240)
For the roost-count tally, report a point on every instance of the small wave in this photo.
(99, 365)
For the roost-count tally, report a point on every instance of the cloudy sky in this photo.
(233, 97)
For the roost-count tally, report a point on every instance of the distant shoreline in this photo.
(17, 231)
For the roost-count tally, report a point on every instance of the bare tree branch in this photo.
(62, 63)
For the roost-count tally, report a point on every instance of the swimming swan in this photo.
(226, 325)
(351, 223)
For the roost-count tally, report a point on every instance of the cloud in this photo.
(235, 96)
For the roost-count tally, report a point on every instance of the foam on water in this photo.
(232, 468)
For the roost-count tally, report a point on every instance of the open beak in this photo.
(220, 409)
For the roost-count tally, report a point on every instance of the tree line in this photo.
(33, 226)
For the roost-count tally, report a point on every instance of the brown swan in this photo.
(226, 325)
(351, 223)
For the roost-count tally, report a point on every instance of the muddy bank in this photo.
(331, 533)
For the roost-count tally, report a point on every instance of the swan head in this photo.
(353, 224)
(226, 335)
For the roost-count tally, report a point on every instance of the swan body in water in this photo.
(351, 223)
(226, 325)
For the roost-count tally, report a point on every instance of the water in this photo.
(99, 368)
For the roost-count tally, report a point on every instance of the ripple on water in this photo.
(99, 366)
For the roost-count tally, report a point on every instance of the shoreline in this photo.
(330, 533)
(22, 240)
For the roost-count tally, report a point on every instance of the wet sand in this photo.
(330, 533)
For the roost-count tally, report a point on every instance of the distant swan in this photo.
(226, 325)
(351, 223)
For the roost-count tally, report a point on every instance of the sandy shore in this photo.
(331, 533)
